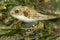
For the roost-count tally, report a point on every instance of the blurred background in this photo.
(40, 30)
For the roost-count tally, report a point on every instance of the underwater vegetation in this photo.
(14, 26)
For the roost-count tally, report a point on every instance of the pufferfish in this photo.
(28, 14)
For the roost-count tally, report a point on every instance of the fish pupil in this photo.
(16, 11)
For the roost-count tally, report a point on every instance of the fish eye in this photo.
(16, 11)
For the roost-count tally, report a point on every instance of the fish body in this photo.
(28, 14)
